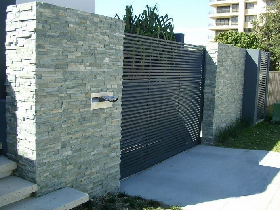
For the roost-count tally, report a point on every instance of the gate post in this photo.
(57, 58)
(223, 92)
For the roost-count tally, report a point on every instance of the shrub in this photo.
(149, 23)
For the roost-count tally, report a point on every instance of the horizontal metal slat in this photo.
(161, 100)
(133, 115)
(155, 140)
(151, 152)
(151, 128)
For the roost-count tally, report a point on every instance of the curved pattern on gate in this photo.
(161, 100)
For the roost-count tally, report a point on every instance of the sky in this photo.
(189, 16)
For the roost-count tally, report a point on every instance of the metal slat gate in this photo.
(262, 86)
(161, 101)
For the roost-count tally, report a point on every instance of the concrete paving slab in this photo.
(6, 166)
(253, 202)
(276, 179)
(13, 189)
(211, 205)
(207, 177)
(272, 159)
(66, 198)
(275, 202)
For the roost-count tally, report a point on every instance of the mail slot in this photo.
(102, 100)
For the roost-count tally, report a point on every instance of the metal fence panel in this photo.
(255, 86)
(262, 86)
(161, 102)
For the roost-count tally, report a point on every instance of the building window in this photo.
(222, 21)
(249, 18)
(234, 20)
(250, 5)
(270, 3)
(225, 9)
(235, 8)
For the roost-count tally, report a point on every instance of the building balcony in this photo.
(212, 27)
(222, 2)
(223, 15)
(251, 11)
(249, 1)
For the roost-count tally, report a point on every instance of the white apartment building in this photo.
(235, 14)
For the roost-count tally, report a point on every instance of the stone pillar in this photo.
(223, 94)
(56, 58)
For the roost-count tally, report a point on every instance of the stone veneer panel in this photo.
(224, 81)
(57, 57)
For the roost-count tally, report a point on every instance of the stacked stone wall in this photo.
(225, 66)
(56, 58)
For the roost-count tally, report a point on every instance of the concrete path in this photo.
(212, 178)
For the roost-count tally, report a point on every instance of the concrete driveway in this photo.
(212, 178)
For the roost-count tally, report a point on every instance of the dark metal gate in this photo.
(255, 86)
(161, 101)
(262, 85)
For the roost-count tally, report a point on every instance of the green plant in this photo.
(267, 29)
(269, 113)
(175, 208)
(263, 136)
(265, 36)
(231, 131)
(149, 23)
(123, 201)
(239, 39)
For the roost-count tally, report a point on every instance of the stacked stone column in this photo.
(56, 58)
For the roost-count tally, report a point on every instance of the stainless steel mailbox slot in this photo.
(105, 98)
(102, 100)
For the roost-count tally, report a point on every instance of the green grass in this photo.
(122, 201)
(263, 136)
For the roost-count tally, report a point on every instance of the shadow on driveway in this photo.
(204, 174)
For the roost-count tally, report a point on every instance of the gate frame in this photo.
(150, 162)
(251, 85)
